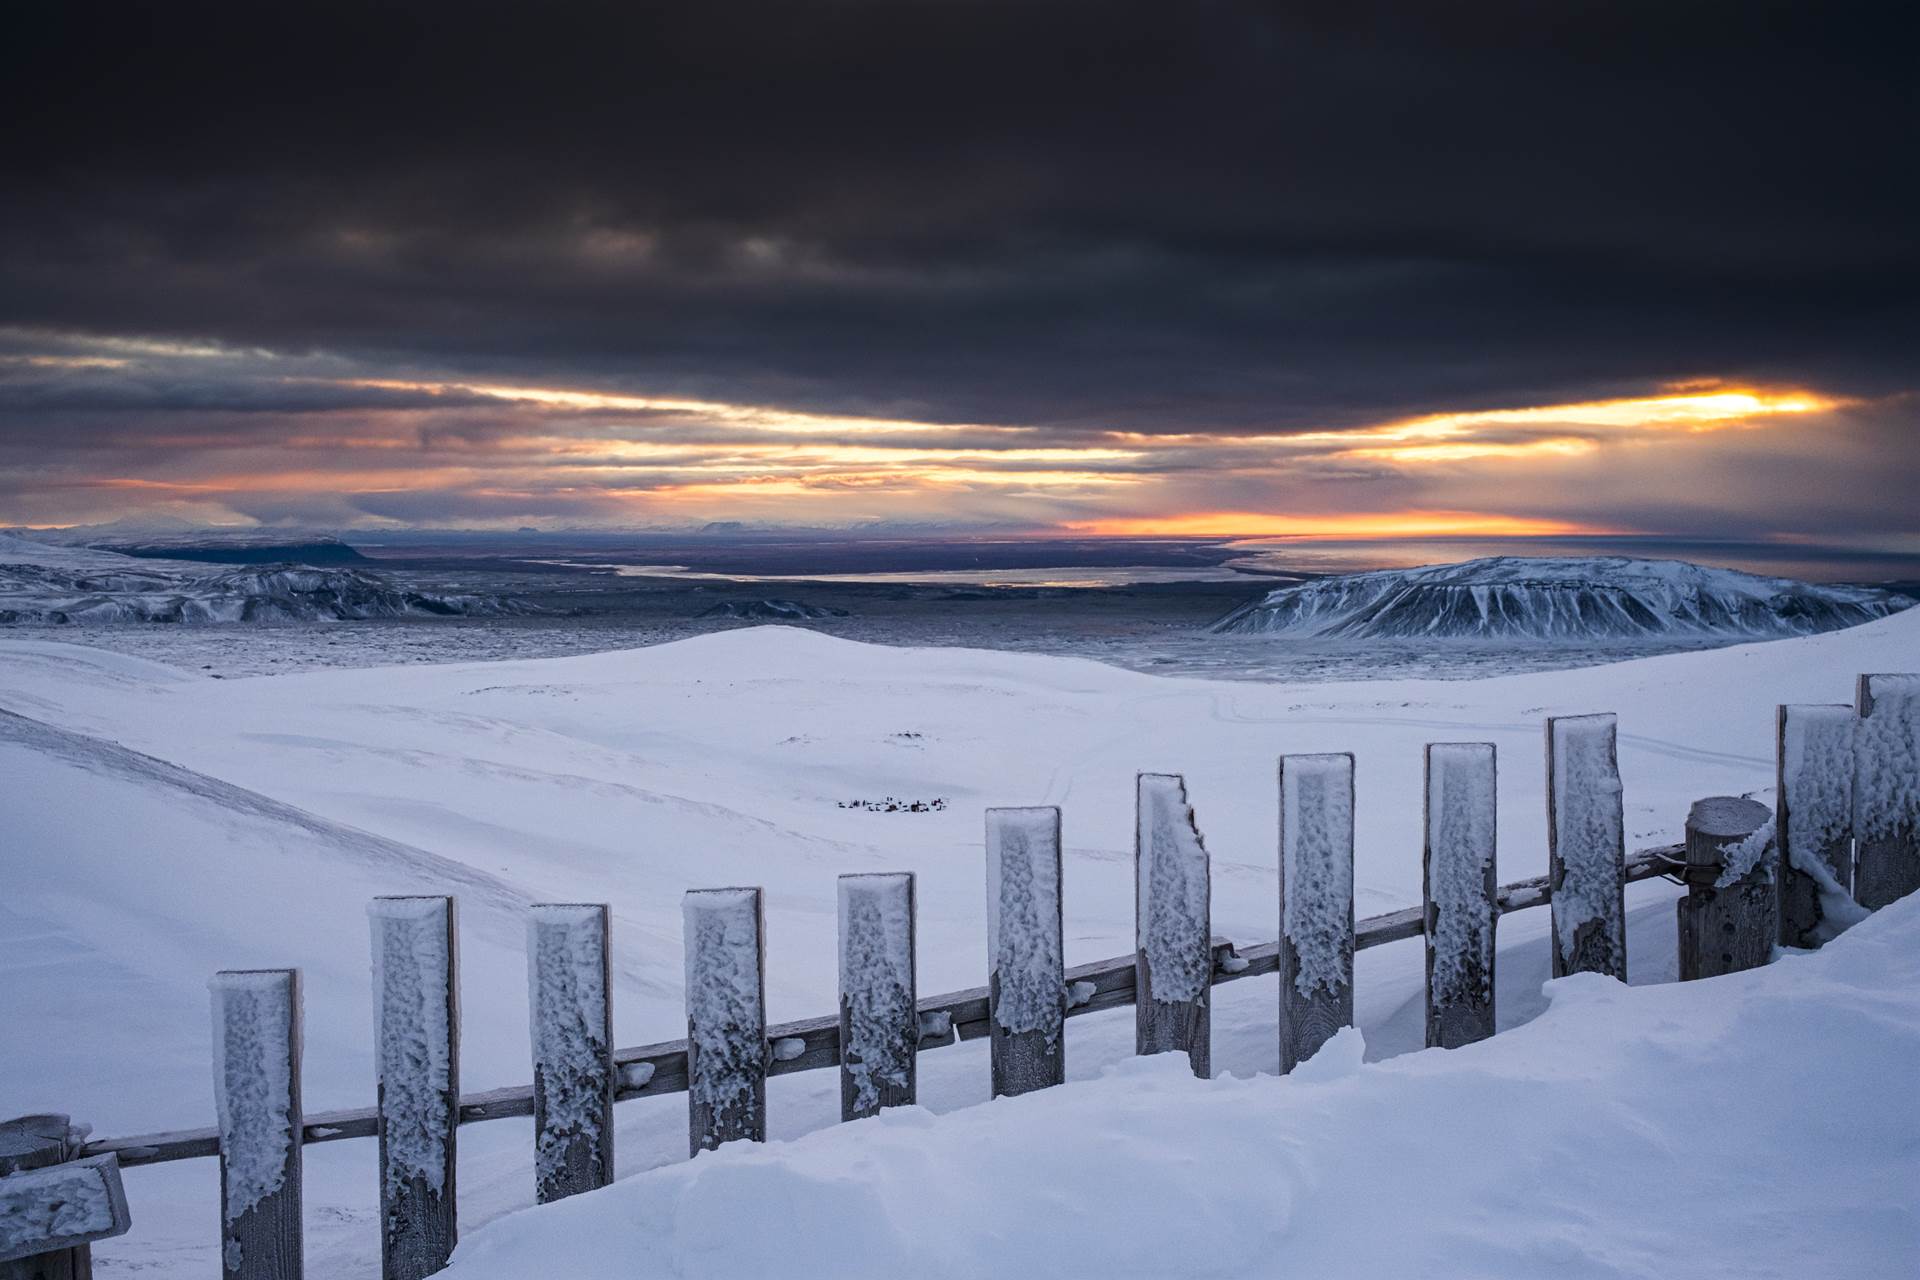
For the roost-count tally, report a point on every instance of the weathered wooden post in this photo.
(879, 1023)
(1460, 887)
(1813, 796)
(1026, 978)
(52, 1206)
(570, 1006)
(1729, 919)
(725, 938)
(256, 1094)
(416, 1019)
(1316, 902)
(1586, 847)
(1886, 790)
(1173, 930)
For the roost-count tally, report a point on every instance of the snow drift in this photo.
(48, 584)
(1559, 598)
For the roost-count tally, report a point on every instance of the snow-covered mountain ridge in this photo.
(1559, 598)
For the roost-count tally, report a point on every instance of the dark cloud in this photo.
(1080, 215)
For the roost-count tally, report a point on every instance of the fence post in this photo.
(416, 1018)
(570, 1007)
(1459, 887)
(256, 1092)
(1586, 847)
(1173, 931)
(1813, 808)
(1886, 790)
(1729, 919)
(38, 1165)
(1316, 902)
(879, 1020)
(726, 958)
(1026, 978)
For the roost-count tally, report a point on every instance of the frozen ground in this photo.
(162, 825)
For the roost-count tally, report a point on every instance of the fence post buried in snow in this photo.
(1813, 808)
(879, 1020)
(1729, 919)
(1316, 903)
(1886, 790)
(256, 1087)
(416, 1019)
(726, 959)
(1586, 847)
(1026, 979)
(1173, 932)
(570, 1007)
(1459, 886)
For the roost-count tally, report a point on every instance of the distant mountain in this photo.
(1554, 598)
(772, 611)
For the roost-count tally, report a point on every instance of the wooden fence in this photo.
(1849, 797)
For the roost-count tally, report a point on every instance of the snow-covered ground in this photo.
(161, 825)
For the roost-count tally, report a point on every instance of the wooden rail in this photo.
(657, 1069)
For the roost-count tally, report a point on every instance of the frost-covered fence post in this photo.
(1026, 976)
(1173, 931)
(256, 1094)
(725, 939)
(879, 1022)
(1729, 919)
(570, 1006)
(1813, 807)
(1586, 847)
(1460, 886)
(416, 1020)
(53, 1206)
(1886, 790)
(1316, 902)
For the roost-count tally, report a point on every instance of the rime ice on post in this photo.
(1813, 809)
(256, 1094)
(53, 1205)
(1173, 933)
(726, 1017)
(416, 1018)
(571, 1012)
(879, 1023)
(1586, 847)
(1886, 790)
(1316, 902)
(1460, 887)
(1729, 919)
(1026, 980)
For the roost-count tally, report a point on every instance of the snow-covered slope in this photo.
(1563, 1148)
(160, 825)
(51, 584)
(1550, 598)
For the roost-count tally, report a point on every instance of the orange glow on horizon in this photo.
(1356, 525)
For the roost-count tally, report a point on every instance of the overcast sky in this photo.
(1331, 267)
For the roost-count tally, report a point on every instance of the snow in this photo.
(412, 965)
(1173, 930)
(252, 1085)
(725, 1016)
(1749, 853)
(59, 1202)
(1817, 772)
(567, 1001)
(1589, 821)
(1544, 597)
(1462, 810)
(1886, 780)
(162, 826)
(1604, 1107)
(1316, 861)
(1023, 918)
(876, 981)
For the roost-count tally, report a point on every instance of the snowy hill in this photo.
(54, 584)
(161, 825)
(1552, 598)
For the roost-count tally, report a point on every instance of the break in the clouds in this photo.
(1486, 267)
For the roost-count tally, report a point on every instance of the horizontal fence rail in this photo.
(655, 1070)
